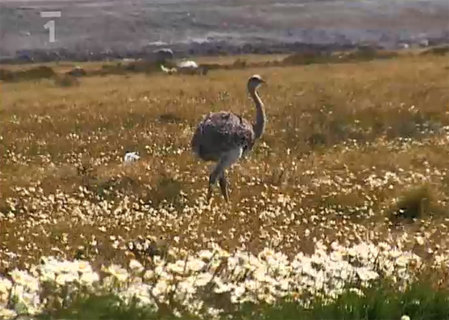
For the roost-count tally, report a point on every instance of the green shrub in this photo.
(416, 203)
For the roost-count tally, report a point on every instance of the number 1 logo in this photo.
(50, 25)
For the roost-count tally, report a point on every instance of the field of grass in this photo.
(353, 152)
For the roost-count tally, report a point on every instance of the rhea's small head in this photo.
(255, 81)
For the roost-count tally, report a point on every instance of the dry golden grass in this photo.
(343, 143)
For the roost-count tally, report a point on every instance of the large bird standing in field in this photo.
(224, 137)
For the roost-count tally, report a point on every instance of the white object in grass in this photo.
(131, 157)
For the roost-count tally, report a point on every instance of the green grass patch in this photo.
(383, 301)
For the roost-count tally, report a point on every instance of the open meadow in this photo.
(355, 156)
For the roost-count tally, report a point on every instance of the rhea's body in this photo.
(220, 133)
(224, 137)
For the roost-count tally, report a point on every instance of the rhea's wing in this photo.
(220, 132)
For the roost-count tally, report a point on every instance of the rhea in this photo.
(224, 137)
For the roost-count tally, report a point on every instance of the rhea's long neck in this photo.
(259, 125)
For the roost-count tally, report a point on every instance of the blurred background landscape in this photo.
(93, 30)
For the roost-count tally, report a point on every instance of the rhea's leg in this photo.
(209, 192)
(216, 172)
(224, 186)
(226, 161)
(212, 181)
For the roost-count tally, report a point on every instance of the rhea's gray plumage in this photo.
(221, 132)
(224, 136)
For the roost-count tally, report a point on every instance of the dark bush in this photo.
(36, 73)
(66, 81)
